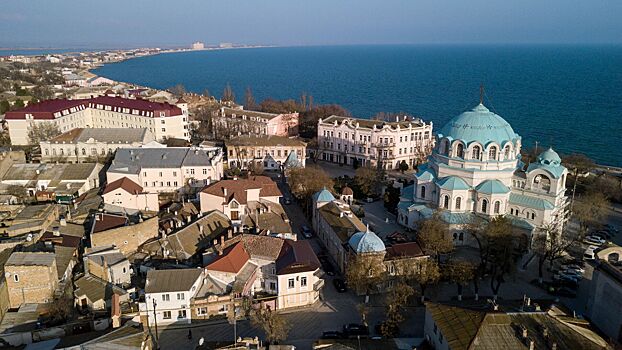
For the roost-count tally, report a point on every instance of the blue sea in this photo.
(568, 97)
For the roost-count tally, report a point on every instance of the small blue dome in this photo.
(323, 196)
(481, 125)
(366, 242)
(549, 157)
(492, 187)
(453, 183)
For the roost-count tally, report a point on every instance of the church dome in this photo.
(479, 125)
(549, 157)
(366, 242)
(347, 191)
(323, 196)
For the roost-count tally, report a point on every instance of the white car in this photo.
(594, 240)
(574, 268)
(572, 272)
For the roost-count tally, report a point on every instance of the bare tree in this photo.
(273, 324)
(590, 209)
(42, 131)
(369, 180)
(365, 273)
(396, 299)
(304, 182)
(551, 244)
(178, 90)
(578, 164)
(434, 237)
(461, 273)
(249, 99)
(227, 94)
(502, 257)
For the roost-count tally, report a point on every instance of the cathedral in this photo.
(475, 170)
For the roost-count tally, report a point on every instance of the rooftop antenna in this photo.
(481, 94)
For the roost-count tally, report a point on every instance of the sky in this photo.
(134, 23)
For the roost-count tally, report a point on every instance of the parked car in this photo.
(306, 231)
(332, 335)
(589, 252)
(573, 267)
(566, 277)
(354, 329)
(572, 272)
(594, 240)
(340, 285)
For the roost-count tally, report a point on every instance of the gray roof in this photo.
(131, 160)
(31, 259)
(80, 171)
(96, 289)
(107, 135)
(176, 280)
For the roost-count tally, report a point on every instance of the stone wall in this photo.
(127, 238)
(36, 284)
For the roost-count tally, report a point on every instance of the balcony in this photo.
(318, 285)
(383, 145)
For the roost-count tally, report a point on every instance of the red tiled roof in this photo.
(237, 188)
(125, 184)
(232, 260)
(296, 256)
(62, 240)
(403, 250)
(103, 222)
(46, 109)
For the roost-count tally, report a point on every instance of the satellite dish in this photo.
(201, 341)
(7, 274)
(29, 237)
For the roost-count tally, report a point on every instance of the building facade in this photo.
(32, 278)
(475, 171)
(89, 145)
(125, 193)
(267, 152)
(367, 142)
(605, 297)
(168, 295)
(237, 121)
(167, 169)
(163, 120)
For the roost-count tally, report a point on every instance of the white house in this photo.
(128, 194)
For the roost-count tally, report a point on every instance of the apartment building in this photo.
(87, 145)
(163, 120)
(366, 142)
(269, 152)
(237, 121)
(167, 169)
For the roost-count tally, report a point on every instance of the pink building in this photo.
(237, 121)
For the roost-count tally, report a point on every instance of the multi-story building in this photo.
(163, 120)
(475, 172)
(32, 278)
(366, 142)
(167, 169)
(89, 145)
(605, 297)
(269, 152)
(125, 193)
(237, 121)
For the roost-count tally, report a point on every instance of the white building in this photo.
(476, 171)
(167, 169)
(163, 120)
(198, 45)
(87, 145)
(127, 194)
(370, 142)
(169, 292)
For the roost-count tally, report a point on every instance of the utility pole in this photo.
(155, 319)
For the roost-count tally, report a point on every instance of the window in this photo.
(507, 152)
(492, 152)
(458, 203)
(272, 286)
(202, 311)
(446, 202)
(484, 206)
(303, 281)
(124, 270)
(15, 278)
(391, 269)
(166, 297)
(84, 151)
(192, 171)
(166, 315)
(423, 192)
(181, 314)
(174, 173)
(160, 174)
(204, 171)
(180, 296)
(497, 207)
(163, 130)
(460, 151)
(476, 152)
(144, 173)
(290, 283)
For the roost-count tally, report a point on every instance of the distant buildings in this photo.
(237, 121)
(163, 120)
(367, 142)
(265, 152)
(476, 172)
(167, 169)
(88, 145)
(198, 45)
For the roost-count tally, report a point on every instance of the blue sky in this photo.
(128, 23)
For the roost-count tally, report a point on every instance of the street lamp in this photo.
(155, 319)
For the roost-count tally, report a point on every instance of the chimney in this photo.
(62, 220)
(524, 332)
(86, 266)
(175, 212)
(528, 301)
(532, 344)
(98, 217)
(140, 217)
(224, 191)
(215, 242)
(222, 240)
(201, 229)
(229, 234)
(56, 231)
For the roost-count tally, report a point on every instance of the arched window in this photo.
(492, 152)
(497, 207)
(476, 152)
(484, 206)
(54, 151)
(460, 151)
(83, 151)
(446, 202)
(458, 203)
(507, 152)
(423, 192)
(542, 182)
(47, 152)
(461, 237)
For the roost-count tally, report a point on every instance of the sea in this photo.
(568, 97)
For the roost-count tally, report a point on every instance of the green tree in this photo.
(403, 166)
(18, 104)
(503, 254)
(434, 237)
(4, 106)
(391, 198)
(42, 92)
(369, 180)
(273, 324)
(304, 182)
(461, 273)
(227, 94)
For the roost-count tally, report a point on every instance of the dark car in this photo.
(306, 231)
(354, 330)
(340, 285)
(332, 335)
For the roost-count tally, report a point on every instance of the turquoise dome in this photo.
(366, 242)
(549, 157)
(479, 125)
(323, 196)
(492, 187)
